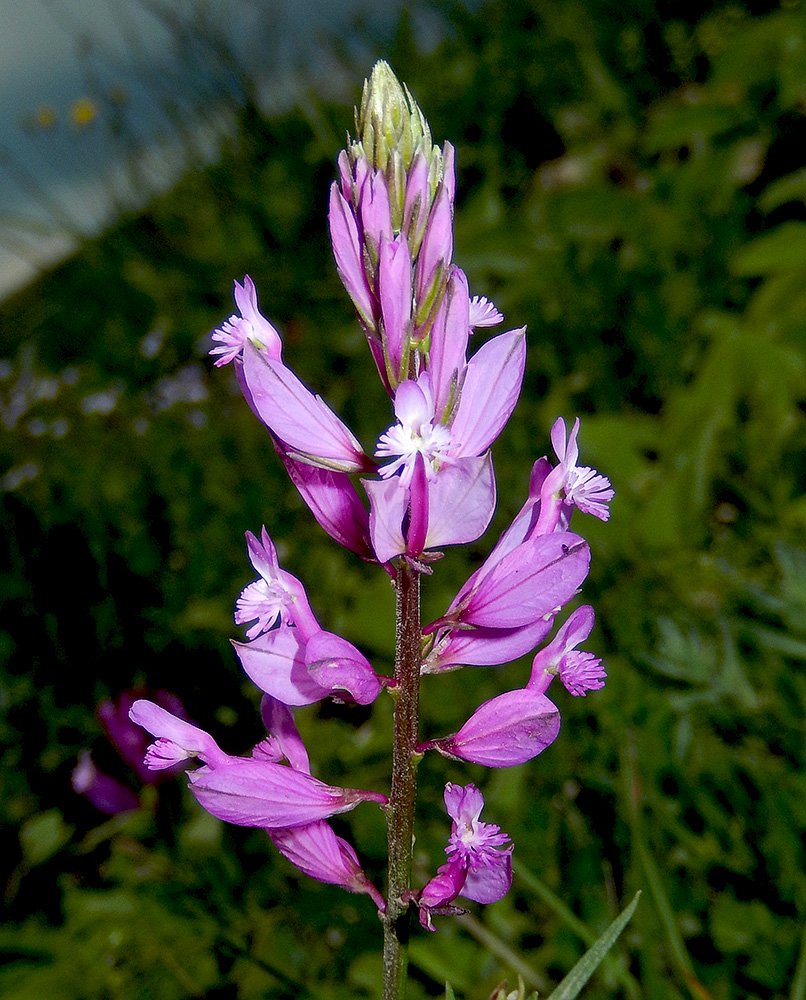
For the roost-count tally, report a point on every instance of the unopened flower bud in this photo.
(389, 120)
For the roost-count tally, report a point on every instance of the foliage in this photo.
(631, 186)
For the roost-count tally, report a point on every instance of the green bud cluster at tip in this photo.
(391, 131)
(390, 120)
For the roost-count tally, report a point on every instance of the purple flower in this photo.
(104, 792)
(457, 498)
(275, 596)
(314, 849)
(480, 860)
(571, 484)
(532, 581)
(506, 730)
(291, 657)
(250, 327)
(254, 791)
(129, 740)
(579, 671)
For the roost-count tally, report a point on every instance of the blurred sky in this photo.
(94, 94)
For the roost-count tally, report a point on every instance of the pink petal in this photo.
(445, 886)
(246, 301)
(388, 502)
(449, 337)
(349, 256)
(488, 884)
(303, 422)
(490, 391)
(279, 721)
(333, 501)
(489, 646)
(162, 724)
(506, 730)
(534, 580)
(415, 205)
(252, 792)
(419, 509)
(275, 661)
(394, 286)
(319, 853)
(461, 502)
(375, 212)
(434, 258)
(335, 664)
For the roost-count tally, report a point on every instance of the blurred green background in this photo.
(631, 185)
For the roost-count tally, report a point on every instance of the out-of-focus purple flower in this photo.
(104, 792)
(579, 671)
(480, 860)
(250, 327)
(254, 791)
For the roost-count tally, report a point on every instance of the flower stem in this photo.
(400, 811)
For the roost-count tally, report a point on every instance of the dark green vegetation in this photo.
(633, 187)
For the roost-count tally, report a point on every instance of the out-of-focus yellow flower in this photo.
(83, 112)
(44, 116)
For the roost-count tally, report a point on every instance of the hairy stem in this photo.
(400, 811)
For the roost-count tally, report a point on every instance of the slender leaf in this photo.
(572, 984)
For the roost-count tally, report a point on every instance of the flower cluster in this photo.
(427, 483)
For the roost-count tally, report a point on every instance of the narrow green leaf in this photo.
(581, 929)
(449, 994)
(587, 965)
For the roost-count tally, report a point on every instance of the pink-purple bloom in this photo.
(247, 791)
(570, 484)
(479, 865)
(579, 671)
(428, 482)
(291, 657)
(250, 326)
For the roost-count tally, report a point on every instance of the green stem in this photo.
(400, 811)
